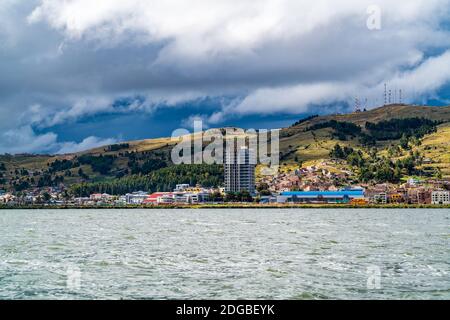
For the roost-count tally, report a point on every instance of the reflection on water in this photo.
(224, 254)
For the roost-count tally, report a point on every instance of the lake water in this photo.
(225, 254)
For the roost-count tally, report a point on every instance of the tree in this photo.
(164, 179)
(262, 186)
(404, 142)
(337, 152)
(245, 196)
(355, 159)
(438, 173)
(265, 193)
(217, 197)
(230, 197)
(46, 197)
(21, 185)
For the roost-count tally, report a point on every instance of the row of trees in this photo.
(299, 122)
(408, 130)
(243, 196)
(341, 129)
(117, 147)
(62, 165)
(161, 180)
(101, 164)
(395, 129)
(147, 166)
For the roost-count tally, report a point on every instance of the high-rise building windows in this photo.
(239, 169)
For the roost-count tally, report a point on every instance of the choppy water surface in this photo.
(224, 254)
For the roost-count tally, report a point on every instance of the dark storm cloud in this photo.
(63, 61)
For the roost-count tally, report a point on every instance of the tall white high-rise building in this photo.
(239, 169)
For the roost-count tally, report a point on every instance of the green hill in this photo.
(375, 133)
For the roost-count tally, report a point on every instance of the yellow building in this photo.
(359, 202)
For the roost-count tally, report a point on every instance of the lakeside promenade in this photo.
(233, 206)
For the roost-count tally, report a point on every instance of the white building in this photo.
(413, 182)
(101, 197)
(181, 187)
(165, 199)
(180, 197)
(136, 197)
(195, 198)
(440, 197)
(190, 198)
(380, 198)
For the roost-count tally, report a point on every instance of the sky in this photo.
(77, 74)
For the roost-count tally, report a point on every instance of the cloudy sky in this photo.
(75, 74)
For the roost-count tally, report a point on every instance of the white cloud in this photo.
(293, 99)
(86, 144)
(426, 78)
(80, 108)
(200, 26)
(421, 81)
(25, 140)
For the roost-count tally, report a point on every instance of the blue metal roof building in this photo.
(343, 193)
(342, 196)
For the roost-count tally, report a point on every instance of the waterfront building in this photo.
(153, 198)
(199, 197)
(396, 197)
(121, 200)
(440, 197)
(359, 202)
(136, 197)
(239, 168)
(177, 197)
(166, 199)
(101, 197)
(343, 196)
(419, 196)
(380, 198)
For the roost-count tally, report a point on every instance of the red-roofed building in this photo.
(154, 197)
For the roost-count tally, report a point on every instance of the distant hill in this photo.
(308, 142)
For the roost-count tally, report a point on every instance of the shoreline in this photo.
(226, 206)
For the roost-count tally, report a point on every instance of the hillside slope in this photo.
(298, 146)
(313, 147)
